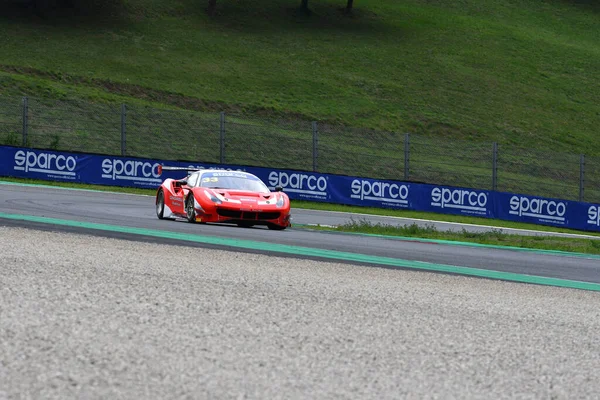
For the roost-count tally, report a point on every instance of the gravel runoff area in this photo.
(89, 317)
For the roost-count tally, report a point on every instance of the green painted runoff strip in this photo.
(458, 243)
(307, 251)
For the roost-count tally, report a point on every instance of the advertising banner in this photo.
(302, 185)
(452, 200)
(536, 210)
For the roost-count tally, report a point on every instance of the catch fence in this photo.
(138, 131)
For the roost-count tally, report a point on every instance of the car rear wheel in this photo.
(160, 204)
(190, 212)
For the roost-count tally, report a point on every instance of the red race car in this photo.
(222, 196)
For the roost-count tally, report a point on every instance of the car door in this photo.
(180, 191)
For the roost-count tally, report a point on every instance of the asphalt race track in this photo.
(138, 212)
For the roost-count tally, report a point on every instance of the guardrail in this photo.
(305, 185)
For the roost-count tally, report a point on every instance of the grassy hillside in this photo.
(522, 73)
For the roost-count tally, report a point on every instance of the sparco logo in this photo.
(130, 170)
(461, 199)
(51, 164)
(594, 215)
(299, 183)
(382, 191)
(539, 208)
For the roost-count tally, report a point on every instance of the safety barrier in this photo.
(303, 185)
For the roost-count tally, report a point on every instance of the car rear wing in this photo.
(162, 168)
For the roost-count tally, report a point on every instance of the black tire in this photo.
(160, 204)
(190, 212)
(274, 227)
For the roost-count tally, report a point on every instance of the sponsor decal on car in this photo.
(309, 185)
(549, 210)
(471, 201)
(235, 174)
(216, 167)
(385, 192)
(176, 200)
(52, 165)
(132, 170)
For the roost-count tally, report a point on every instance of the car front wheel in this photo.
(190, 212)
(160, 204)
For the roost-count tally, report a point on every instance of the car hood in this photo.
(238, 194)
(246, 197)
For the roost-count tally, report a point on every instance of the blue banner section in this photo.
(301, 185)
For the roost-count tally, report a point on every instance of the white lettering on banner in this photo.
(380, 191)
(47, 163)
(461, 199)
(307, 184)
(538, 208)
(594, 215)
(132, 170)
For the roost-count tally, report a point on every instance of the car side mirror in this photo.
(183, 182)
(278, 189)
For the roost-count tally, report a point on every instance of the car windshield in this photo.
(232, 180)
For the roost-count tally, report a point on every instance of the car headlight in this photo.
(213, 198)
(280, 201)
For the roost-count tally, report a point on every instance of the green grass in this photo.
(494, 238)
(458, 75)
(511, 70)
(335, 207)
(435, 217)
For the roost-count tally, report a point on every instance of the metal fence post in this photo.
(581, 176)
(222, 139)
(25, 120)
(406, 156)
(315, 133)
(495, 166)
(123, 130)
